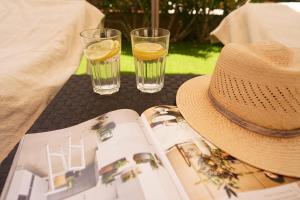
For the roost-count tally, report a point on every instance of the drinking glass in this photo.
(102, 48)
(150, 49)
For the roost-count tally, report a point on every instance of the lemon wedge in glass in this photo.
(148, 51)
(102, 50)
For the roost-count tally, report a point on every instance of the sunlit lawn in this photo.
(183, 58)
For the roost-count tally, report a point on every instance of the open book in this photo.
(121, 155)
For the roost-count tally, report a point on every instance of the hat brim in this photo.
(278, 155)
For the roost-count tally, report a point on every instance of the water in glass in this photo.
(104, 66)
(150, 62)
(103, 49)
(105, 75)
(150, 49)
(150, 74)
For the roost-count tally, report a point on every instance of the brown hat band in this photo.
(249, 125)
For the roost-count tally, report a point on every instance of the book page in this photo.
(205, 171)
(107, 157)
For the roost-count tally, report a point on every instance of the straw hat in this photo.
(250, 106)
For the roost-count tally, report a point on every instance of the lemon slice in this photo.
(115, 50)
(102, 50)
(149, 51)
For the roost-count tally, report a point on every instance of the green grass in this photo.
(183, 58)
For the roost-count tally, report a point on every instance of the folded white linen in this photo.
(256, 22)
(39, 50)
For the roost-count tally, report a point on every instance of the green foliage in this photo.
(181, 6)
(186, 19)
(126, 6)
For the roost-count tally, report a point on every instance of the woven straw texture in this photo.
(76, 103)
(259, 84)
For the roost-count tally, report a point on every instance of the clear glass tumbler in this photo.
(150, 49)
(102, 47)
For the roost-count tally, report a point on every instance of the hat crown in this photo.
(259, 84)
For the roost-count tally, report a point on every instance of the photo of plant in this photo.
(204, 169)
(213, 168)
(216, 172)
(130, 174)
(145, 158)
(109, 172)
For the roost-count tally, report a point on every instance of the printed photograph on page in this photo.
(128, 168)
(108, 157)
(207, 172)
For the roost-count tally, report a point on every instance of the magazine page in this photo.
(207, 172)
(107, 157)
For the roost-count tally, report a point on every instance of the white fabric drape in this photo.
(39, 50)
(255, 22)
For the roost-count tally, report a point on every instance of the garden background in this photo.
(189, 22)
